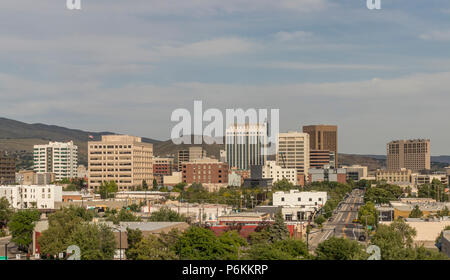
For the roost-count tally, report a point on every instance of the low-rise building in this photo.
(397, 177)
(173, 179)
(299, 206)
(356, 172)
(328, 174)
(277, 173)
(421, 179)
(234, 179)
(32, 196)
(209, 172)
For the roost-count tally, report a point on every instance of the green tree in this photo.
(5, 212)
(283, 185)
(145, 185)
(107, 189)
(155, 185)
(21, 227)
(151, 248)
(134, 236)
(416, 213)
(164, 214)
(444, 212)
(340, 249)
(278, 230)
(96, 241)
(288, 249)
(368, 213)
(320, 219)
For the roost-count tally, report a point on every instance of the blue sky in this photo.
(124, 66)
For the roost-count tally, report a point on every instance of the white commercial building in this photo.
(299, 206)
(32, 196)
(58, 158)
(278, 173)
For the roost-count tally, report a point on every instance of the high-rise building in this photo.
(293, 151)
(123, 159)
(323, 138)
(58, 158)
(410, 154)
(7, 169)
(162, 167)
(320, 158)
(206, 171)
(246, 145)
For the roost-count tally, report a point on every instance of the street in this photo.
(341, 223)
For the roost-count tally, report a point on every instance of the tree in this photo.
(416, 213)
(395, 241)
(21, 227)
(5, 212)
(151, 248)
(320, 219)
(164, 214)
(278, 230)
(444, 212)
(283, 185)
(122, 216)
(340, 249)
(107, 189)
(155, 184)
(198, 243)
(368, 213)
(71, 226)
(145, 185)
(134, 236)
(281, 250)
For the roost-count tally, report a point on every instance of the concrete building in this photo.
(7, 169)
(246, 145)
(293, 151)
(192, 153)
(421, 179)
(58, 158)
(323, 137)
(123, 159)
(162, 167)
(328, 174)
(205, 171)
(256, 178)
(397, 177)
(410, 154)
(82, 172)
(356, 172)
(172, 180)
(32, 196)
(29, 177)
(278, 173)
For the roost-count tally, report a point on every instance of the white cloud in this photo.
(325, 66)
(437, 35)
(289, 36)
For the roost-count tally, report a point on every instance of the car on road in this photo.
(355, 221)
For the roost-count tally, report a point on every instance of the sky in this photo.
(125, 66)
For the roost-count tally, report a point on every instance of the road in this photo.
(341, 223)
(12, 248)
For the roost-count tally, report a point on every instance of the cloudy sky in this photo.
(124, 66)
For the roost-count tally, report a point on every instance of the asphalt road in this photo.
(12, 248)
(341, 223)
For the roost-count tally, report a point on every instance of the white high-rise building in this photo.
(293, 151)
(58, 158)
(246, 145)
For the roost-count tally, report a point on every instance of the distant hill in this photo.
(18, 138)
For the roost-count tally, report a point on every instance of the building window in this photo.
(299, 199)
(282, 199)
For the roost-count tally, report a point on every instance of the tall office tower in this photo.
(293, 151)
(410, 154)
(7, 169)
(58, 158)
(318, 158)
(323, 137)
(246, 145)
(123, 159)
(192, 153)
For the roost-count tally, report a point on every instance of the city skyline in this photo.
(379, 75)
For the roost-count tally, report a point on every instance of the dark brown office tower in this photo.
(7, 169)
(317, 158)
(323, 138)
